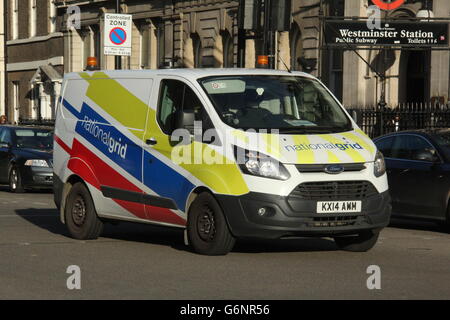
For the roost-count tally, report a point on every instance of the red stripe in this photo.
(63, 145)
(90, 167)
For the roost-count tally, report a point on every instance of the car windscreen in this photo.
(290, 104)
(33, 138)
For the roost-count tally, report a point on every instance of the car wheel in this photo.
(80, 215)
(15, 181)
(207, 229)
(361, 243)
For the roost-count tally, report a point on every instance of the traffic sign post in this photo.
(117, 40)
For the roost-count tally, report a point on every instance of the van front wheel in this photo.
(361, 243)
(207, 228)
(80, 215)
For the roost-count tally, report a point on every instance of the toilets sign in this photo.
(117, 39)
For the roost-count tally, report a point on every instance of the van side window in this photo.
(176, 96)
(170, 101)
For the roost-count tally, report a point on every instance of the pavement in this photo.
(134, 261)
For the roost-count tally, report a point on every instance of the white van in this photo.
(223, 153)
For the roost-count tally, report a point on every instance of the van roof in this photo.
(191, 73)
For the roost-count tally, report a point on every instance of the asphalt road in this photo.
(132, 261)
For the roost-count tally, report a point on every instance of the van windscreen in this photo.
(290, 104)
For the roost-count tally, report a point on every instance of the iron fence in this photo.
(376, 121)
(37, 122)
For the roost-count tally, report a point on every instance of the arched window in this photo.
(228, 50)
(296, 46)
(198, 51)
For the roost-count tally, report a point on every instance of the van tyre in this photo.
(207, 229)
(80, 215)
(15, 180)
(361, 243)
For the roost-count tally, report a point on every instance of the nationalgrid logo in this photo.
(323, 146)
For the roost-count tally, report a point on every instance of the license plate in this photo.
(338, 206)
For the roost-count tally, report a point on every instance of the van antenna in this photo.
(285, 65)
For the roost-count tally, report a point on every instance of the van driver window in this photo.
(175, 96)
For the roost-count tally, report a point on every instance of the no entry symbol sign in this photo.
(118, 36)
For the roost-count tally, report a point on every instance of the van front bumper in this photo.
(282, 221)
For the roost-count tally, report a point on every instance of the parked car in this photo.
(418, 167)
(26, 157)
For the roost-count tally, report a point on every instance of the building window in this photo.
(32, 19)
(228, 50)
(295, 39)
(16, 101)
(52, 16)
(337, 73)
(160, 40)
(15, 19)
(198, 51)
(96, 45)
(86, 38)
(91, 40)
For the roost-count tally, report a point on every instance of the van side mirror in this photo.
(185, 120)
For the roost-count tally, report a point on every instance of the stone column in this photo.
(135, 59)
(250, 53)
(218, 52)
(284, 52)
(188, 53)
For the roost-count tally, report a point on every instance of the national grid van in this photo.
(223, 153)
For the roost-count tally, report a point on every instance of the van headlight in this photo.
(379, 167)
(261, 165)
(36, 163)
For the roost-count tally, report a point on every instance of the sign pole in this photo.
(118, 59)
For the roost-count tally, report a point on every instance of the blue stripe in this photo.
(158, 176)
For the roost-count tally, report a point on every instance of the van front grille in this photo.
(334, 190)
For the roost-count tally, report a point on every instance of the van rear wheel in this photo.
(80, 215)
(360, 243)
(207, 228)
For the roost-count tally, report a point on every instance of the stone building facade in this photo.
(35, 59)
(205, 33)
(2, 59)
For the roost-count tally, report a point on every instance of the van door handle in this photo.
(151, 141)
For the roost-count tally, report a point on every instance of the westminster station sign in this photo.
(402, 34)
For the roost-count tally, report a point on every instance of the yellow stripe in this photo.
(361, 141)
(272, 144)
(303, 156)
(332, 158)
(117, 101)
(355, 155)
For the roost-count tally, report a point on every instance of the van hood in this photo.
(347, 147)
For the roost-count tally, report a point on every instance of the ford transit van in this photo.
(223, 153)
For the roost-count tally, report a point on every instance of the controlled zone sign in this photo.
(117, 39)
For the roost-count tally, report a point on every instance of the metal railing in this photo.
(376, 121)
(36, 122)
